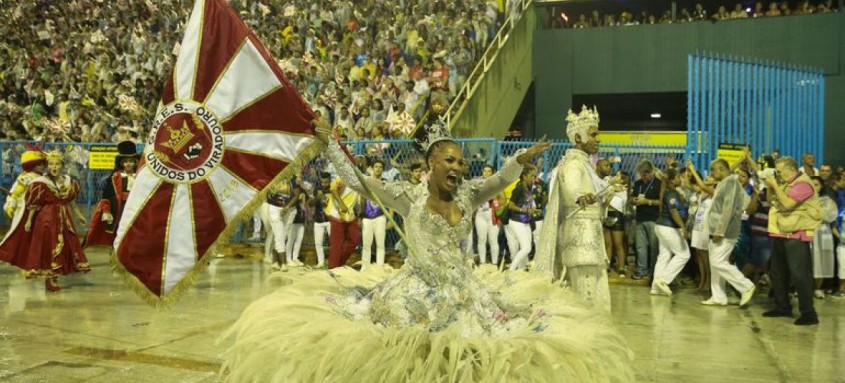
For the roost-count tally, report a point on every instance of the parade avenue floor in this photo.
(96, 330)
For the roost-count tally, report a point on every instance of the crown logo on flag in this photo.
(179, 137)
(438, 131)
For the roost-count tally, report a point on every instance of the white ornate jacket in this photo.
(579, 239)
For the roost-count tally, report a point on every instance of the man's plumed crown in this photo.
(581, 122)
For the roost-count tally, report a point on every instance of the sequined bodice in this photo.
(436, 287)
(432, 241)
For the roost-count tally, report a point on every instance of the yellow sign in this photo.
(732, 153)
(645, 138)
(101, 157)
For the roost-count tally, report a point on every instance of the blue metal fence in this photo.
(766, 105)
(396, 153)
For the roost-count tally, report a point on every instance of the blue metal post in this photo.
(711, 105)
(762, 91)
(771, 107)
(783, 116)
(820, 116)
(720, 110)
(692, 62)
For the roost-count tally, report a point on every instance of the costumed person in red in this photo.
(33, 163)
(104, 220)
(45, 243)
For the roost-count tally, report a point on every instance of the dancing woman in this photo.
(435, 320)
(44, 242)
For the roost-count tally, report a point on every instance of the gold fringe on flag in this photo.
(166, 301)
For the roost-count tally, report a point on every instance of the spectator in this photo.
(699, 14)
(672, 233)
(759, 11)
(645, 196)
(773, 9)
(738, 12)
(794, 216)
(808, 161)
(582, 22)
(721, 14)
(784, 8)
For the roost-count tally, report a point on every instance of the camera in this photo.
(766, 173)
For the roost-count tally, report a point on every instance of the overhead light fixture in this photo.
(656, 115)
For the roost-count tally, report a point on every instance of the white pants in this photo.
(280, 226)
(521, 233)
(538, 225)
(722, 271)
(840, 257)
(321, 229)
(510, 240)
(373, 228)
(294, 240)
(673, 255)
(256, 224)
(264, 213)
(487, 233)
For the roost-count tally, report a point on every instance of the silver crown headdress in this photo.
(580, 123)
(438, 131)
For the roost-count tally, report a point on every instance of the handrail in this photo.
(490, 54)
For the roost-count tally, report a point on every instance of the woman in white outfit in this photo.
(522, 210)
(319, 202)
(374, 225)
(822, 245)
(280, 215)
(614, 232)
(700, 239)
(671, 231)
(295, 222)
(487, 225)
(264, 214)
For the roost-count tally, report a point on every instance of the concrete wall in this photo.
(496, 101)
(640, 59)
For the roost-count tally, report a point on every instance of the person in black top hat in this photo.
(116, 188)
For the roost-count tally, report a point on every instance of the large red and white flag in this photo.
(229, 125)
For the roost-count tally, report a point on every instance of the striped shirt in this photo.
(760, 219)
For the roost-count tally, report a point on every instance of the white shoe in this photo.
(746, 296)
(711, 302)
(319, 265)
(276, 266)
(655, 292)
(660, 284)
(818, 294)
(268, 260)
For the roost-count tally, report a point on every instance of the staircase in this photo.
(488, 101)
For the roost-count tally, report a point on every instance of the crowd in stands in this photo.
(92, 70)
(685, 15)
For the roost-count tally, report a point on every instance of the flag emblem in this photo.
(186, 143)
(228, 129)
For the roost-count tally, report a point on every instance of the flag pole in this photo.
(362, 180)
